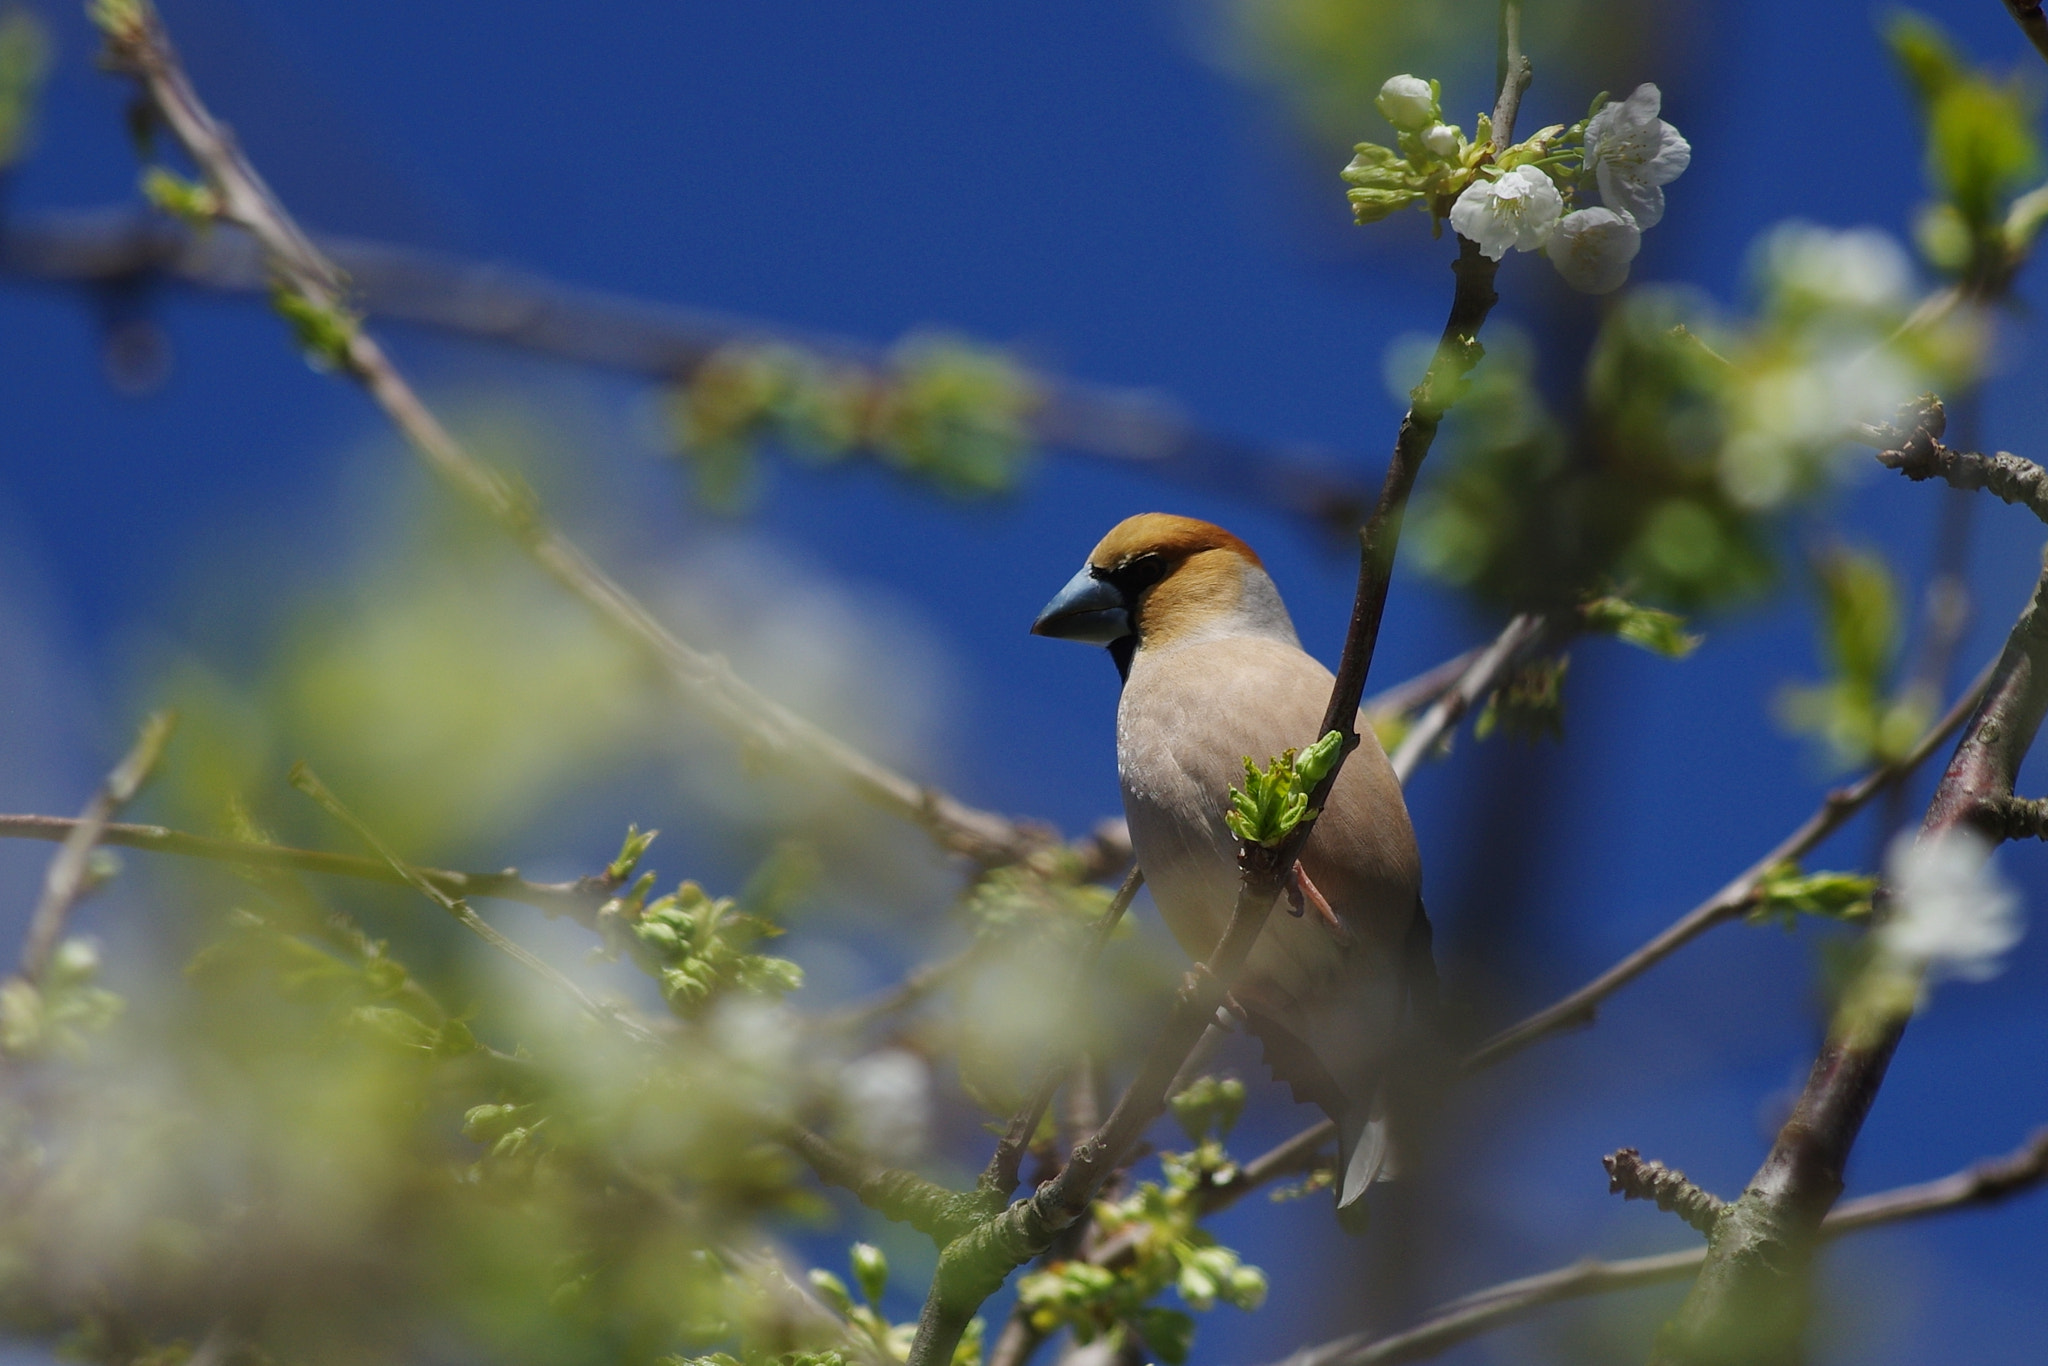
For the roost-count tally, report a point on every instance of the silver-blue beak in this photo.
(1088, 609)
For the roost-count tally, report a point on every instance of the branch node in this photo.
(2007, 817)
(1634, 1179)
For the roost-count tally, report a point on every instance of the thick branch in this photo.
(765, 727)
(1731, 901)
(2027, 14)
(1450, 1324)
(64, 881)
(1749, 1304)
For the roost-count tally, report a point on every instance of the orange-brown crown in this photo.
(1163, 534)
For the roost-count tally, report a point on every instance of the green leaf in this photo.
(24, 59)
(1659, 632)
(630, 854)
(1784, 894)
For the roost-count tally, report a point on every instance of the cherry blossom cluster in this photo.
(1526, 196)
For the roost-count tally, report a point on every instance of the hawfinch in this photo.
(1214, 674)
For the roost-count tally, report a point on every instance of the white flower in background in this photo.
(1407, 103)
(1592, 249)
(887, 1096)
(1518, 210)
(1952, 915)
(1444, 141)
(1806, 267)
(1634, 154)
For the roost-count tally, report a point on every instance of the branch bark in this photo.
(139, 46)
(1482, 1311)
(2027, 14)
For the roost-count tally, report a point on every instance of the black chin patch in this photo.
(1121, 650)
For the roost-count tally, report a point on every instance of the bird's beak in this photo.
(1088, 609)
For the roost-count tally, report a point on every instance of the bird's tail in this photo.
(1364, 1149)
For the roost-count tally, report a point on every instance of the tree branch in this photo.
(514, 308)
(1749, 1303)
(1468, 1316)
(138, 45)
(1913, 447)
(2027, 14)
(64, 881)
(1731, 901)
(1000, 1176)
(975, 1265)
(1524, 637)
(1634, 1179)
(303, 779)
(578, 900)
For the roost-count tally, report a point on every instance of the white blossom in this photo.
(1518, 210)
(1444, 141)
(1592, 249)
(1633, 154)
(887, 1095)
(1407, 103)
(1952, 914)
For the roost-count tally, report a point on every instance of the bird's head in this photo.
(1158, 580)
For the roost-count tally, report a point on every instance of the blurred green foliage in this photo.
(1982, 150)
(1860, 713)
(1162, 1246)
(1326, 58)
(940, 410)
(24, 61)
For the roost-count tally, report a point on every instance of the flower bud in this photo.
(1443, 141)
(1408, 103)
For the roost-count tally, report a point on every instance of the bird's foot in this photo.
(1300, 889)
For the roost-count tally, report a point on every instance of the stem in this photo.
(65, 880)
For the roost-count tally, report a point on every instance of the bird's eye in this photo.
(1141, 573)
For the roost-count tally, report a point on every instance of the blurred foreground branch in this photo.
(579, 899)
(312, 294)
(71, 868)
(1482, 1311)
(119, 247)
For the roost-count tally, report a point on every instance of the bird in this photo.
(1214, 674)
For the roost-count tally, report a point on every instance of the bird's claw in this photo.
(1301, 889)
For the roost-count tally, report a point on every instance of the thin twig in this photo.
(64, 881)
(141, 47)
(1513, 75)
(1732, 900)
(1483, 1310)
(303, 779)
(579, 899)
(1000, 1177)
(1524, 636)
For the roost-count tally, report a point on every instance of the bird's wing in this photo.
(1326, 1006)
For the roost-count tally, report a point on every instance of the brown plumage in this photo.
(1213, 674)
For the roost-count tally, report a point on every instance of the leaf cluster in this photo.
(939, 409)
(1160, 1222)
(1274, 799)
